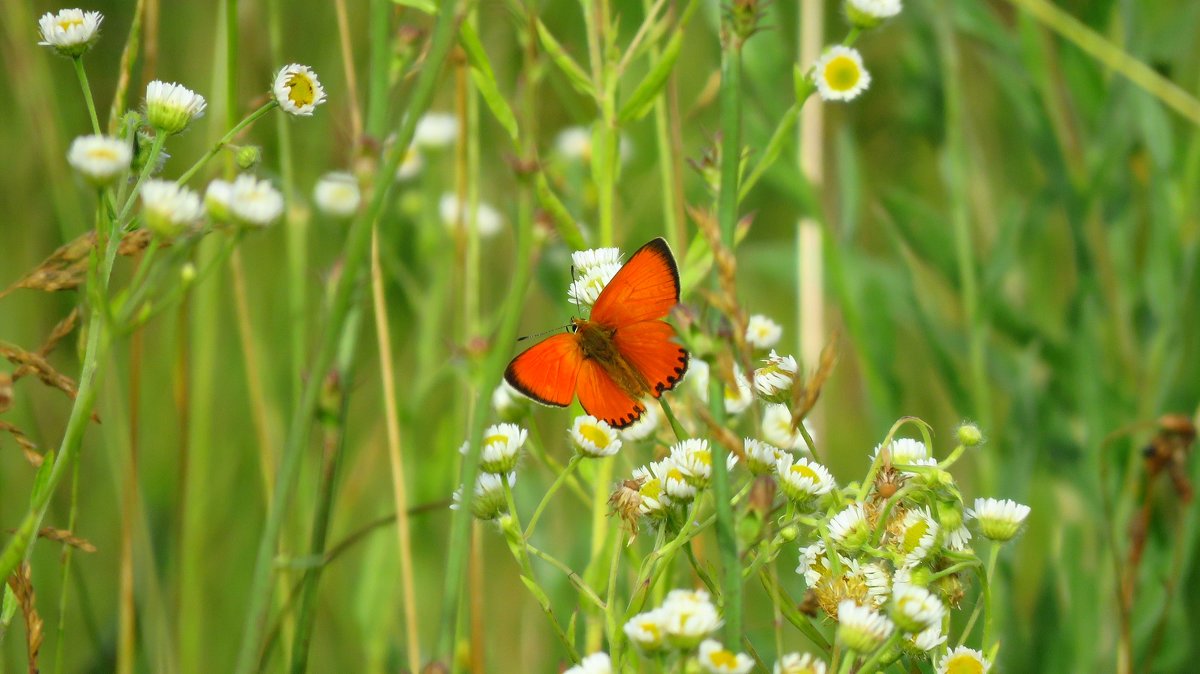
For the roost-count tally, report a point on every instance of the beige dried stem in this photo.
(66, 268)
(806, 396)
(22, 587)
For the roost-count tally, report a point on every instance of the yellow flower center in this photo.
(704, 457)
(651, 628)
(912, 537)
(723, 659)
(964, 664)
(66, 24)
(494, 439)
(804, 471)
(842, 73)
(300, 90)
(595, 435)
(105, 153)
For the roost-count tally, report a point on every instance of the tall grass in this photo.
(1007, 229)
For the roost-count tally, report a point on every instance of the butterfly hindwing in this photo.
(602, 398)
(548, 370)
(650, 348)
(644, 289)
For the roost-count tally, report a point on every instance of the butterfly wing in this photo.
(602, 398)
(648, 346)
(644, 289)
(548, 370)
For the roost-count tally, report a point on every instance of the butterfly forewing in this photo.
(644, 289)
(547, 371)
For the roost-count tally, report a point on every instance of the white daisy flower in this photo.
(509, 403)
(487, 219)
(813, 563)
(337, 194)
(999, 520)
(169, 209)
(674, 481)
(737, 400)
(714, 658)
(959, 540)
(501, 446)
(647, 630)
(777, 429)
(646, 424)
(927, 639)
(586, 260)
(915, 609)
(596, 663)
(797, 663)
(839, 74)
(575, 143)
(878, 581)
(170, 107)
(254, 202)
(774, 380)
(963, 660)
(916, 536)
(297, 90)
(693, 458)
(689, 617)
(862, 629)
(655, 500)
(850, 528)
(586, 287)
(490, 501)
(760, 456)
(436, 130)
(100, 159)
(594, 438)
(801, 479)
(217, 198)
(410, 164)
(871, 13)
(762, 332)
(907, 452)
(71, 32)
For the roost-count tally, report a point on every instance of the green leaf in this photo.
(426, 6)
(567, 228)
(8, 608)
(642, 99)
(485, 79)
(578, 78)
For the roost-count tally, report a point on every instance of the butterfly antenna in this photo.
(539, 334)
(575, 287)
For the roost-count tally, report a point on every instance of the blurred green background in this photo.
(985, 139)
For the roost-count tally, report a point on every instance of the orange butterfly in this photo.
(622, 352)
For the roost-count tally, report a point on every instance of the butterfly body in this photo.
(619, 355)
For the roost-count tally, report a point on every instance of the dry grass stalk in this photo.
(28, 448)
(805, 397)
(66, 268)
(22, 586)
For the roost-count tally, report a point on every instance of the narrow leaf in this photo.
(579, 79)
(485, 79)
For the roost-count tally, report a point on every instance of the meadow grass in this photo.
(235, 447)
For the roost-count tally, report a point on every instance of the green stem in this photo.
(160, 139)
(680, 433)
(575, 578)
(87, 93)
(72, 519)
(868, 667)
(993, 555)
(335, 441)
(20, 546)
(558, 482)
(212, 152)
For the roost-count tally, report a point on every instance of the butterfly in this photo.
(621, 353)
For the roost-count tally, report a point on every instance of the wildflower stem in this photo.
(20, 545)
(558, 482)
(988, 620)
(87, 93)
(156, 147)
(72, 519)
(954, 568)
(680, 434)
(575, 578)
(873, 661)
(953, 457)
(220, 144)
